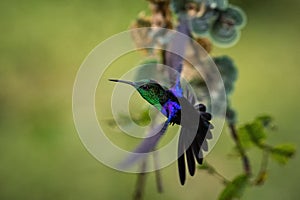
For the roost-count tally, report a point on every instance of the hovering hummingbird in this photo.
(194, 121)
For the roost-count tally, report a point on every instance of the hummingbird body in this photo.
(178, 110)
(167, 102)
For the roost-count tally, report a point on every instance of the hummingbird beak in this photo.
(122, 81)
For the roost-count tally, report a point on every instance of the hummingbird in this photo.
(193, 119)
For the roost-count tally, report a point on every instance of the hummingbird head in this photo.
(150, 90)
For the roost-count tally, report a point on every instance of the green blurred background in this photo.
(42, 45)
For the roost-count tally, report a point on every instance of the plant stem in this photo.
(159, 184)
(224, 180)
(261, 176)
(218, 175)
(140, 184)
(245, 159)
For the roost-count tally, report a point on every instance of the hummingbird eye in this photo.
(145, 87)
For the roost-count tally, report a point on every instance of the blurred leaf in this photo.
(142, 21)
(282, 153)
(142, 118)
(245, 138)
(253, 132)
(237, 15)
(256, 132)
(199, 87)
(204, 43)
(227, 28)
(266, 120)
(228, 71)
(201, 25)
(224, 35)
(235, 189)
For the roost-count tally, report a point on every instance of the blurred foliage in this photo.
(228, 71)
(221, 23)
(140, 118)
(42, 45)
(283, 152)
(255, 134)
(235, 189)
(215, 19)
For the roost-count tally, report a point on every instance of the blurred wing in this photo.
(204, 133)
(147, 145)
(185, 149)
(192, 148)
(181, 159)
(189, 96)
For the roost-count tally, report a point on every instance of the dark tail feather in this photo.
(181, 160)
(197, 152)
(181, 169)
(200, 143)
(193, 147)
(190, 161)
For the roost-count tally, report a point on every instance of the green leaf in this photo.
(245, 138)
(282, 153)
(266, 120)
(252, 133)
(235, 189)
(256, 132)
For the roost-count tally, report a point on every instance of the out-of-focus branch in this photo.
(211, 170)
(245, 159)
(159, 184)
(262, 174)
(140, 184)
(161, 13)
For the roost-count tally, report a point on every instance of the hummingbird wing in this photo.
(181, 158)
(185, 148)
(191, 145)
(204, 133)
(147, 145)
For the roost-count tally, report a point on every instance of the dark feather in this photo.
(209, 135)
(181, 169)
(196, 149)
(200, 107)
(181, 159)
(190, 161)
(205, 145)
